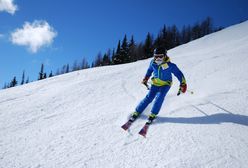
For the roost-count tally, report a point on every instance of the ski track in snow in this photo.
(74, 120)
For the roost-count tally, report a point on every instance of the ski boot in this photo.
(134, 116)
(151, 117)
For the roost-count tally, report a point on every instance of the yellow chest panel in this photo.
(164, 66)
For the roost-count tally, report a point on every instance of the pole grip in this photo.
(179, 92)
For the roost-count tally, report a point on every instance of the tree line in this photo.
(130, 51)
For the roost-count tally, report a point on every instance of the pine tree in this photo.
(188, 34)
(92, 65)
(84, 64)
(196, 31)
(5, 86)
(106, 58)
(184, 38)
(67, 69)
(109, 56)
(44, 76)
(23, 78)
(132, 50)
(163, 39)
(175, 36)
(158, 41)
(41, 73)
(98, 60)
(140, 51)
(169, 38)
(13, 83)
(27, 81)
(57, 72)
(63, 69)
(112, 56)
(76, 66)
(51, 74)
(206, 26)
(148, 46)
(124, 52)
(116, 58)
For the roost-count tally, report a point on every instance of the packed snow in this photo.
(74, 120)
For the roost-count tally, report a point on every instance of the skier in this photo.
(162, 68)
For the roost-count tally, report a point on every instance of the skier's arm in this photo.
(176, 71)
(179, 75)
(148, 74)
(149, 71)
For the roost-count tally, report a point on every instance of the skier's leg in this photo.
(159, 100)
(147, 100)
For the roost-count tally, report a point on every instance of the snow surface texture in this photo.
(74, 120)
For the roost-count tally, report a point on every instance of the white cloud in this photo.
(8, 6)
(34, 35)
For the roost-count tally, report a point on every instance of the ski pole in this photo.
(179, 91)
(147, 86)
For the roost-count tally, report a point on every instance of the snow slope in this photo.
(73, 120)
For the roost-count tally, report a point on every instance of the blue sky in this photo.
(71, 30)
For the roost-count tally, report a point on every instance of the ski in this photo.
(144, 130)
(127, 125)
(132, 118)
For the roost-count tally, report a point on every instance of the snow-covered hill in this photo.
(73, 120)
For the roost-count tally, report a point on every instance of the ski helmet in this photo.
(159, 50)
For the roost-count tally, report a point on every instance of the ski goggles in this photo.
(158, 56)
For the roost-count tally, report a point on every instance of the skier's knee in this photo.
(148, 99)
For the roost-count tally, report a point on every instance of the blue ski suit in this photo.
(161, 83)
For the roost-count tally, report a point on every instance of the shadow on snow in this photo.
(209, 119)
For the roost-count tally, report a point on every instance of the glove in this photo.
(145, 80)
(183, 87)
